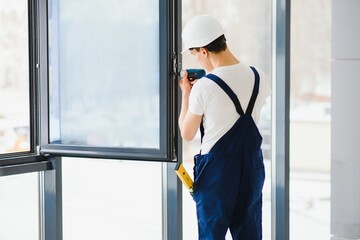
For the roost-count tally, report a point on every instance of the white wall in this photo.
(345, 120)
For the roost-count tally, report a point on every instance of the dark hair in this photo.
(216, 46)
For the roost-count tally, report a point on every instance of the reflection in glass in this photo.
(19, 207)
(14, 76)
(112, 199)
(104, 73)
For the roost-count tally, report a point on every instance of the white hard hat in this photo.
(201, 30)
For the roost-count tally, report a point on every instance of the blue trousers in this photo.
(228, 195)
(228, 181)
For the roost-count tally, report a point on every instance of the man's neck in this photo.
(225, 58)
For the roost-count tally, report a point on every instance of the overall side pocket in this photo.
(200, 162)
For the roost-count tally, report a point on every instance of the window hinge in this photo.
(175, 71)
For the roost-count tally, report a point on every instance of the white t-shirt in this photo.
(218, 110)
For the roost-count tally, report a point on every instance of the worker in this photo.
(225, 105)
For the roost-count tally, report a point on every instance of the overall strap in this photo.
(228, 91)
(233, 96)
(254, 93)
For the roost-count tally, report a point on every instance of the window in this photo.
(14, 77)
(107, 89)
(134, 86)
(310, 120)
(248, 33)
(109, 79)
(19, 207)
(112, 199)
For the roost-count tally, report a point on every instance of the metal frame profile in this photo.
(280, 120)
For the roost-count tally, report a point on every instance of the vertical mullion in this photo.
(33, 60)
(280, 121)
(171, 204)
(51, 180)
(172, 187)
(51, 201)
(42, 70)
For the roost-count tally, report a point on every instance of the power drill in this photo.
(194, 74)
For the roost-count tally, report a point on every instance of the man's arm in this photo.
(188, 122)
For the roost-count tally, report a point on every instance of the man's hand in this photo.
(188, 122)
(185, 84)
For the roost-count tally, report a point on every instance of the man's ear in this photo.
(204, 51)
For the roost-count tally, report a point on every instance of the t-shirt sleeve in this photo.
(197, 99)
(265, 85)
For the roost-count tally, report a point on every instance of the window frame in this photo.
(42, 160)
(167, 87)
(32, 156)
(280, 120)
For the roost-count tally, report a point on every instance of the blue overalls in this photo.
(228, 180)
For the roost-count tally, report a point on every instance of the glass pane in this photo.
(14, 76)
(248, 33)
(310, 119)
(19, 207)
(104, 73)
(111, 199)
